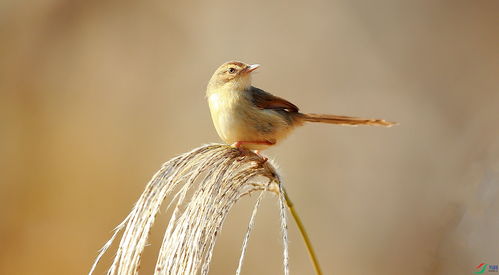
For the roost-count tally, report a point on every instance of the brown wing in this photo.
(264, 100)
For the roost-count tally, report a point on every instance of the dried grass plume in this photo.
(217, 176)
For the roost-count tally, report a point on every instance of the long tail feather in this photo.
(345, 120)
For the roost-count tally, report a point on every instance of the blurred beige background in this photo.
(95, 95)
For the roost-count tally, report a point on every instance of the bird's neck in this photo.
(236, 85)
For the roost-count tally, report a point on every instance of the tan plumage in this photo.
(249, 117)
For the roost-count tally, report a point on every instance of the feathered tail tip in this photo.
(219, 175)
(346, 120)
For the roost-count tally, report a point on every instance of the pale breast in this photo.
(218, 112)
(228, 114)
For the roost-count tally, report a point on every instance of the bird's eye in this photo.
(231, 70)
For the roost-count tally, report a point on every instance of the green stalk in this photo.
(304, 234)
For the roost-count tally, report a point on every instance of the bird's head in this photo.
(234, 75)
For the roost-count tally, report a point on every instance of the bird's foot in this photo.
(240, 145)
(264, 159)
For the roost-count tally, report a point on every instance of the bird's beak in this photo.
(251, 68)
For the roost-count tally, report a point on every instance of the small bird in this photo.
(248, 117)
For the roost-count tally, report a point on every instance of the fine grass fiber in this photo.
(205, 183)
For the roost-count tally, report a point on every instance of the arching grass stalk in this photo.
(303, 233)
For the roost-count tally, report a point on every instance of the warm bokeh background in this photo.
(95, 95)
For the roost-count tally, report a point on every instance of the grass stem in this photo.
(303, 233)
